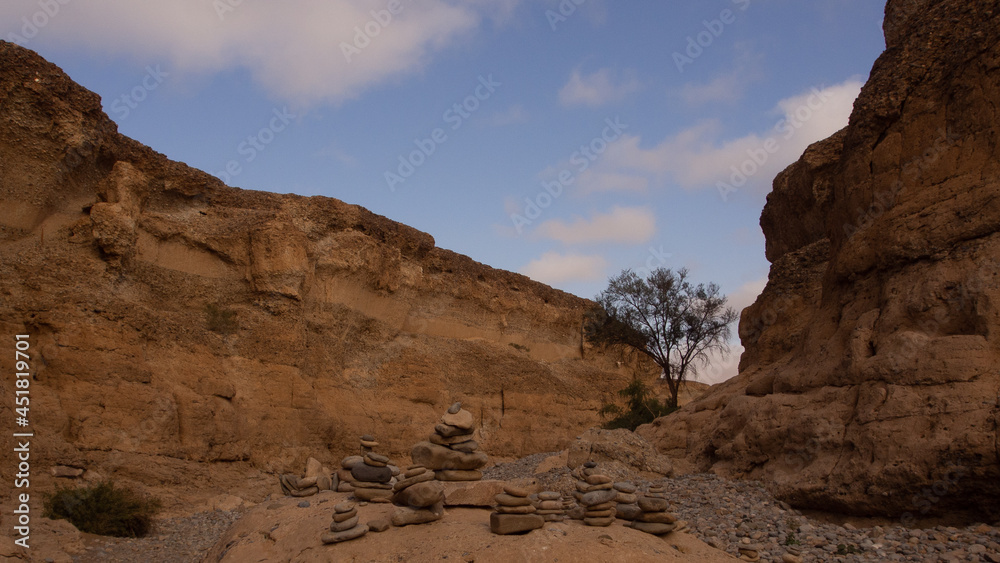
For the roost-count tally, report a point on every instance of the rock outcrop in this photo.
(871, 380)
(175, 320)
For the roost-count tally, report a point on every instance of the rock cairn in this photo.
(654, 518)
(317, 478)
(627, 501)
(450, 451)
(549, 505)
(345, 525)
(596, 493)
(420, 498)
(514, 514)
(749, 551)
(372, 476)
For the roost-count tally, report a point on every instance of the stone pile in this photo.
(596, 493)
(317, 478)
(549, 505)
(749, 551)
(419, 496)
(514, 513)
(654, 518)
(372, 477)
(450, 451)
(627, 501)
(345, 525)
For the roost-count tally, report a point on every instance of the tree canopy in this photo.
(665, 317)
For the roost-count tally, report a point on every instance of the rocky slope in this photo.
(870, 382)
(186, 334)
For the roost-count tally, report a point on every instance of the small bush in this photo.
(641, 408)
(103, 509)
(222, 321)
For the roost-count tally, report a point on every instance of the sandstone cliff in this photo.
(174, 320)
(871, 380)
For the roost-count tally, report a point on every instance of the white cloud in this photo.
(696, 158)
(596, 89)
(727, 87)
(633, 225)
(294, 50)
(513, 114)
(554, 268)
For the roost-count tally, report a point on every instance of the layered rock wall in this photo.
(174, 319)
(871, 380)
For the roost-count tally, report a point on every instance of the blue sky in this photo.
(563, 139)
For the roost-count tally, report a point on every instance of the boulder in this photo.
(434, 456)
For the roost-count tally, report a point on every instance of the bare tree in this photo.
(665, 317)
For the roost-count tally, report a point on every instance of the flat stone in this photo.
(372, 457)
(434, 456)
(598, 497)
(404, 516)
(345, 487)
(418, 478)
(526, 509)
(467, 447)
(648, 504)
(414, 471)
(351, 460)
(626, 498)
(368, 438)
(516, 491)
(352, 534)
(372, 485)
(379, 524)
(504, 524)
(549, 495)
(607, 513)
(654, 528)
(590, 464)
(447, 430)
(369, 445)
(373, 495)
(627, 511)
(550, 505)
(504, 499)
(345, 516)
(458, 474)
(455, 407)
(600, 522)
(440, 440)
(372, 463)
(420, 495)
(588, 488)
(576, 513)
(598, 479)
(313, 468)
(546, 512)
(345, 525)
(461, 419)
(363, 472)
(626, 487)
(657, 517)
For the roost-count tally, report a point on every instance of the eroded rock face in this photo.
(871, 381)
(172, 317)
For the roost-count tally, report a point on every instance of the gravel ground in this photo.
(724, 514)
(174, 540)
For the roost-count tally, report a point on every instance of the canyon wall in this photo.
(175, 321)
(871, 378)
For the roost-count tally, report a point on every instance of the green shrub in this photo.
(103, 509)
(641, 408)
(222, 321)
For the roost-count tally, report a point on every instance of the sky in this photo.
(567, 140)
